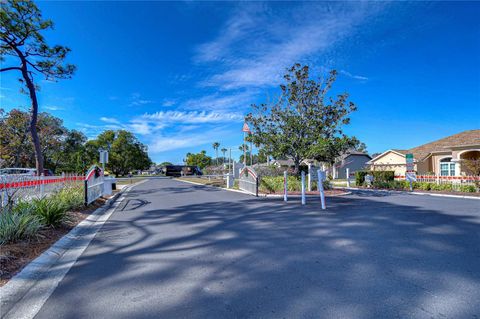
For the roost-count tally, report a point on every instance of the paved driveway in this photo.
(175, 250)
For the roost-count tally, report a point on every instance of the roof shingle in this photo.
(471, 137)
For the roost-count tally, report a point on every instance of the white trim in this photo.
(439, 161)
(459, 154)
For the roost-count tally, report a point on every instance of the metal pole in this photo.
(320, 188)
(285, 186)
(244, 151)
(348, 177)
(230, 160)
(303, 188)
(251, 153)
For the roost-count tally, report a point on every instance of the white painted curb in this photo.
(408, 193)
(24, 295)
(222, 188)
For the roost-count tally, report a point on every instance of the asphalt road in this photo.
(176, 250)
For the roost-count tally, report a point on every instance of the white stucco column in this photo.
(457, 167)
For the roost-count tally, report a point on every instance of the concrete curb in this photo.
(355, 189)
(222, 188)
(25, 293)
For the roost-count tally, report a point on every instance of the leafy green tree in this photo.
(16, 147)
(305, 121)
(215, 146)
(126, 153)
(21, 27)
(14, 141)
(201, 159)
(73, 153)
(329, 150)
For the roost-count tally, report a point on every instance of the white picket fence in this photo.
(455, 181)
(16, 187)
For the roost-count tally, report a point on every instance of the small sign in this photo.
(369, 179)
(103, 157)
(246, 128)
(411, 176)
(409, 162)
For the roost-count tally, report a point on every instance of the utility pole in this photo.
(230, 160)
(244, 150)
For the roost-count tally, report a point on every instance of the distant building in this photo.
(353, 160)
(441, 157)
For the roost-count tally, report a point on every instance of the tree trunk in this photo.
(297, 166)
(33, 119)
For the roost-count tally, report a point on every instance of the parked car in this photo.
(17, 171)
(182, 170)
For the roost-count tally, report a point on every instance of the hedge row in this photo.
(424, 186)
(379, 176)
(274, 184)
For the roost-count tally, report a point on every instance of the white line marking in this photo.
(28, 291)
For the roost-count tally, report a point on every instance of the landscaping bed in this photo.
(328, 192)
(28, 228)
(416, 190)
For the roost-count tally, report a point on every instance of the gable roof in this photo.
(352, 153)
(465, 138)
(399, 152)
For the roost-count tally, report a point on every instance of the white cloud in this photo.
(54, 108)
(254, 48)
(223, 101)
(109, 120)
(164, 143)
(151, 125)
(353, 76)
(137, 100)
(169, 102)
(193, 117)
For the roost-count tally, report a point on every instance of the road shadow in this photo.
(262, 258)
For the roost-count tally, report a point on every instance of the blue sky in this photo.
(181, 75)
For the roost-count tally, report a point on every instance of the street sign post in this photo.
(103, 158)
(245, 130)
(410, 175)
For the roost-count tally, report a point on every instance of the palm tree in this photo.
(215, 146)
(224, 150)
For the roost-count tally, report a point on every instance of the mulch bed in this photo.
(15, 256)
(329, 192)
(424, 192)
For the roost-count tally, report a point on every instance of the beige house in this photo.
(441, 157)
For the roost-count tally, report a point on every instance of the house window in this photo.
(447, 167)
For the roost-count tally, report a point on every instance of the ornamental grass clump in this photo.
(51, 211)
(72, 197)
(18, 224)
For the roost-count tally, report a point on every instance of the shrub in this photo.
(272, 184)
(71, 197)
(383, 176)
(50, 210)
(15, 226)
(424, 186)
(441, 187)
(360, 177)
(378, 177)
(467, 188)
